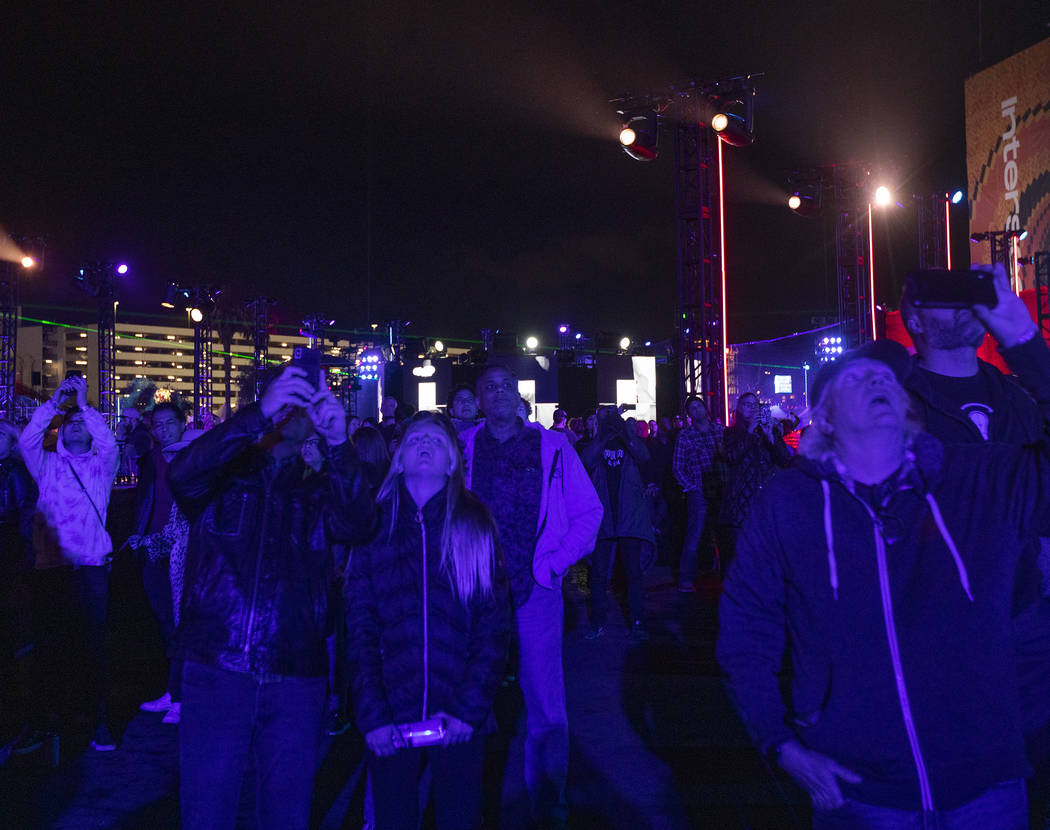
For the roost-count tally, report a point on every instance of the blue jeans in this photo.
(601, 572)
(697, 509)
(456, 775)
(225, 716)
(1003, 807)
(542, 681)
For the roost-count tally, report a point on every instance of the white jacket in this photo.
(67, 529)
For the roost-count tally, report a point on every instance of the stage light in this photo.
(625, 343)
(532, 343)
(640, 135)
(957, 197)
(579, 335)
(439, 346)
(1023, 236)
(805, 200)
(563, 329)
(734, 118)
(196, 315)
(883, 196)
(122, 268)
(28, 262)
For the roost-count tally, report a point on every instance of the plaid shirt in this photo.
(698, 454)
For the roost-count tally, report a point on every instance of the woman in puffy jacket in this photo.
(428, 623)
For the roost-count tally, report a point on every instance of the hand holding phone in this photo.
(957, 288)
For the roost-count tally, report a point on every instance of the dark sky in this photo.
(454, 163)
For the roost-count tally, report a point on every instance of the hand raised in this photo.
(290, 388)
(1009, 322)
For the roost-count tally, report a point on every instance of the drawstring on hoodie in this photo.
(935, 510)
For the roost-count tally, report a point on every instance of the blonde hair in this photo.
(468, 540)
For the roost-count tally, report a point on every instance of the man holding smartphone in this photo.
(73, 548)
(254, 621)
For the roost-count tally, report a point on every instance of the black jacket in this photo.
(465, 646)
(258, 562)
(17, 506)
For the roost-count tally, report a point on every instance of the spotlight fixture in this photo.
(368, 364)
(829, 349)
(640, 135)
(805, 200)
(883, 196)
(625, 344)
(175, 294)
(957, 197)
(196, 315)
(439, 346)
(28, 262)
(734, 118)
(122, 269)
(532, 343)
(563, 328)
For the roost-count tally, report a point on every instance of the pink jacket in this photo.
(570, 511)
(66, 530)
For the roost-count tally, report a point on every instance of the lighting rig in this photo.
(9, 283)
(99, 281)
(199, 302)
(850, 191)
(699, 112)
(1041, 261)
(1004, 250)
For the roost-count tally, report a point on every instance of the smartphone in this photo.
(74, 373)
(957, 288)
(309, 360)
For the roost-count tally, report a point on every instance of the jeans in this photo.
(697, 510)
(1003, 807)
(225, 716)
(156, 580)
(91, 601)
(542, 680)
(601, 571)
(456, 776)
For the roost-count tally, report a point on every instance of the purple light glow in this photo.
(122, 268)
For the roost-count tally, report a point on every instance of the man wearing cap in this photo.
(886, 559)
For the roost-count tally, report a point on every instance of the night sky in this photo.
(455, 164)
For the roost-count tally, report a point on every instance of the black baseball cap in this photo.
(890, 352)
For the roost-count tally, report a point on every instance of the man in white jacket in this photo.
(73, 549)
(548, 516)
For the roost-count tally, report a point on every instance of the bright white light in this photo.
(1023, 236)
(563, 329)
(439, 346)
(532, 343)
(883, 197)
(957, 197)
(28, 262)
(196, 315)
(627, 136)
(719, 122)
(579, 335)
(122, 268)
(625, 343)
(794, 201)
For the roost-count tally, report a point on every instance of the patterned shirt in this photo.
(508, 478)
(698, 459)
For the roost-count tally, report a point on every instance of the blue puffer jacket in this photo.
(413, 648)
(897, 618)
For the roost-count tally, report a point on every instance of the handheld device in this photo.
(74, 373)
(423, 733)
(957, 288)
(309, 360)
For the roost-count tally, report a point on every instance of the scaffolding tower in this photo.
(260, 307)
(8, 337)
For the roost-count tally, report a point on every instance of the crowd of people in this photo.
(310, 571)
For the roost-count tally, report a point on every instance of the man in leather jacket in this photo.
(253, 627)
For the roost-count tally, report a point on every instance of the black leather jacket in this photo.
(258, 562)
(17, 505)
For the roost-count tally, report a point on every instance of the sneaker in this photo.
(161, 704)
(103, 740)
(337, 724)
(173, 715)
(595, 632)
(638, 632)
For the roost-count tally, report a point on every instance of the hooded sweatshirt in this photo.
(68, 529)
(895, 604)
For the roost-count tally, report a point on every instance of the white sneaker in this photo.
(161, 704)
(173, 715)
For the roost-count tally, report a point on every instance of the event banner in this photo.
(1008, 153)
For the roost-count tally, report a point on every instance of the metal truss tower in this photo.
(8, 337)
(933, 231)
(260, 307)
(700, 327)
(1041, 260)
(202, 366)
(853, 267)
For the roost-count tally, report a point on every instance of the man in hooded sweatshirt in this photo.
(887, 560)
(73, 548)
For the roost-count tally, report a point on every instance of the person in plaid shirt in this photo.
(698, 468)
